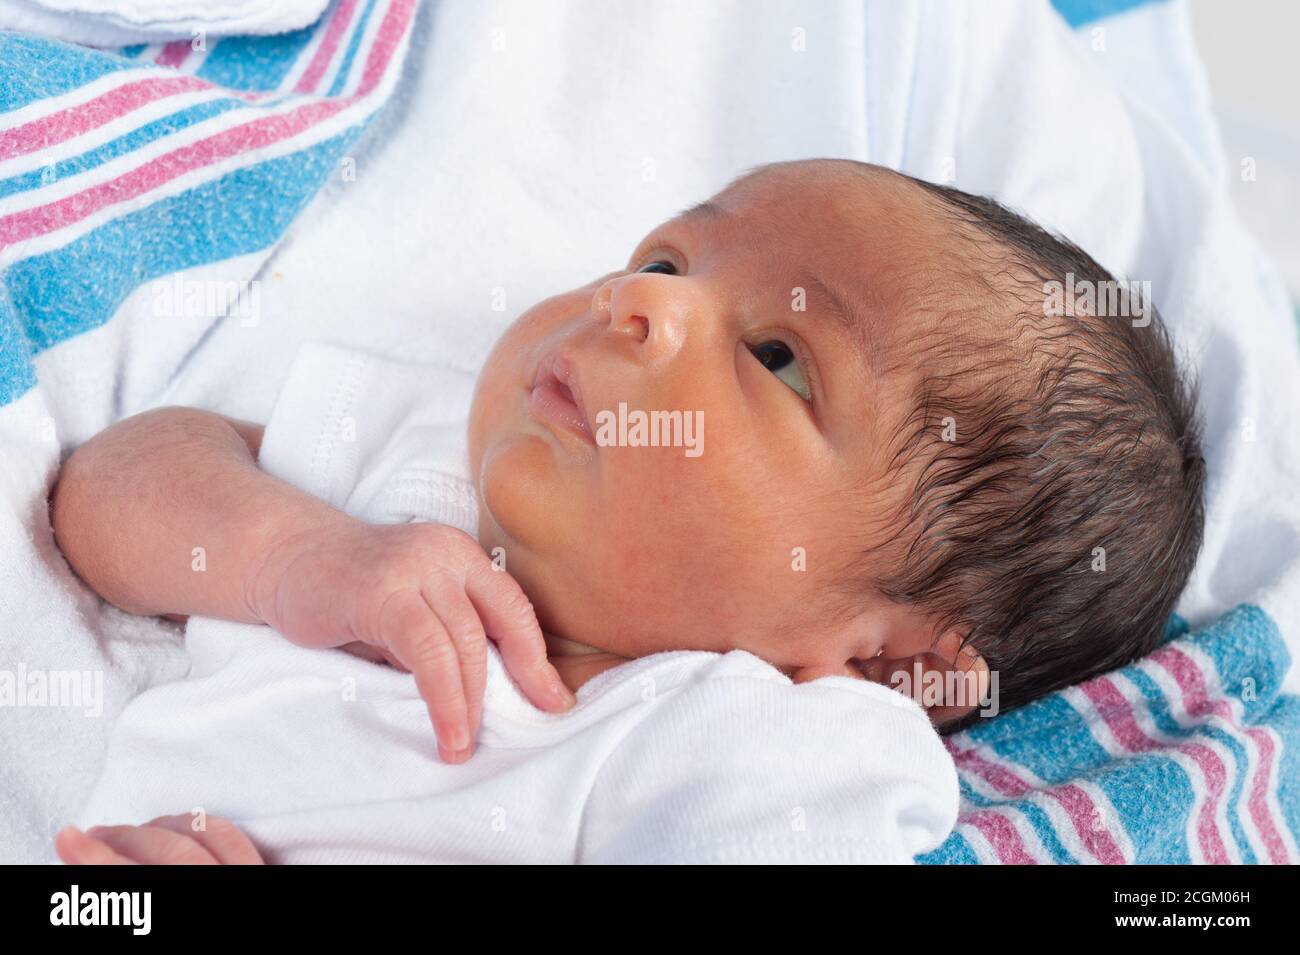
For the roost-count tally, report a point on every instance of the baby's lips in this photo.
(557, 373)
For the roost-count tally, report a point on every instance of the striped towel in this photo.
(1181, 757)
(120, 167)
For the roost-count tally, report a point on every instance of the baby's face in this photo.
(756, 321)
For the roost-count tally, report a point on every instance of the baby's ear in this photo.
(948, 678)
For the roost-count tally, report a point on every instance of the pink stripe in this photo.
(325, 52)
(1115, 710)
(75, 120)
(1258, 803)
(386, 39)
(1118, 714)
(1076, 802)
(174, 53)
(1002, 835)
(1216, 779)
(231, 142)
(1003, 780)
(1082, 811)
(1196, 697)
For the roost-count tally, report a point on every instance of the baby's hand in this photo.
(425, 596)
(167, 840)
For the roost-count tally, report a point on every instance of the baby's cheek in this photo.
(516, 482)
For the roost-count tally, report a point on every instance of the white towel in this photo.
(106, 23)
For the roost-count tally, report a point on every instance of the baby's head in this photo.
(874, 448)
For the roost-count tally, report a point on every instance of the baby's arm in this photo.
(168, 513)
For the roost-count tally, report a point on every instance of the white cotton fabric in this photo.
(676, 757)
(106, 23)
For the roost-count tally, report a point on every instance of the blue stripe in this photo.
(32, 69)
(1248, 652)
(1153, 796)
(341, 77)
(1042, 823)
(954, 851)
(971, 794)
(1079, 12)
(255, 63)
(1284, 720)
(16, 372)
(55, 297)
(1048, 737)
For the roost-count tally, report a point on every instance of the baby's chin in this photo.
(527, 509)
(520, 490)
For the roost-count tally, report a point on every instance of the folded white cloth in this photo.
(117, 22)
(675, 757)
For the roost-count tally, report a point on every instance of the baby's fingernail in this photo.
(452, 756)
(94, 831)
(564, 695)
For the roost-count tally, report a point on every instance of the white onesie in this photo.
(682, 756)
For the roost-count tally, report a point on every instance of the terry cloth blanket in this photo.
(116, 169)
(528, 148)
(1193, 754)
(1189, 756)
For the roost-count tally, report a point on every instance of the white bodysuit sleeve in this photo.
(381, 439)
(750, 770)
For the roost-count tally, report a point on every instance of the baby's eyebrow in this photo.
(832, 302)
(849, 319)
(708, 209)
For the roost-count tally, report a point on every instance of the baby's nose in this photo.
(631, 324)
(647, 310)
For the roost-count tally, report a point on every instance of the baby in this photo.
(918, 463)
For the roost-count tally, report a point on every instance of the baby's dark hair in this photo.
(1057, 482)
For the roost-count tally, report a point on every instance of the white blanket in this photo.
(530, 146)
(107, 23)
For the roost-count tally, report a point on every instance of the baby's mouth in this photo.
(556, 398)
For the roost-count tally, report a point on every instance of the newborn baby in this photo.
(827, 436)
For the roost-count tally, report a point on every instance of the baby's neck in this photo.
(576, 662)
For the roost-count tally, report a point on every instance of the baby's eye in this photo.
(658, 268)
(777, 358)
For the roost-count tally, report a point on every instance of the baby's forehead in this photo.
(868, 227)
(878, 242)
(831, 191)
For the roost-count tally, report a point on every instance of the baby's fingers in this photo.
(415, 635)
(510, 621)
(76, 848)
(461, 621)
(149, 845)
(225, 841)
